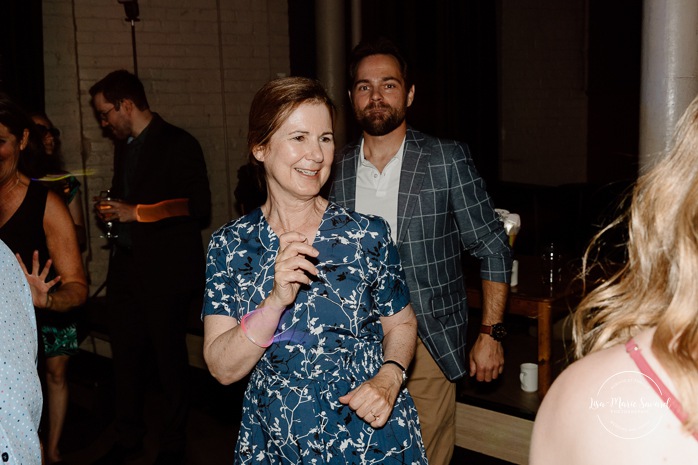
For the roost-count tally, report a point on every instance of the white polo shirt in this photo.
(376, 192)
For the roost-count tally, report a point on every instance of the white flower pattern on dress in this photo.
(327, 343)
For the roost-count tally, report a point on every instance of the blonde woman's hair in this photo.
(658, 285)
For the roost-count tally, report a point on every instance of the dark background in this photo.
(453, 53)
(21, 53)
(452, 48)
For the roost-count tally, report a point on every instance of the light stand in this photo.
(131, 10)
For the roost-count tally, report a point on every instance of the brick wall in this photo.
(200, 61)
(543, 138)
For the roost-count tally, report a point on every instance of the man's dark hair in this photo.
(119, 85)
(379, 46)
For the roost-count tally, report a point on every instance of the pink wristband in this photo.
(247, 335)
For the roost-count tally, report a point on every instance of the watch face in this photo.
(499, 332)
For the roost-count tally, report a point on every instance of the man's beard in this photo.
(380, 124)
(119, 133)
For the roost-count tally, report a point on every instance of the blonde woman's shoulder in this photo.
(601, 410)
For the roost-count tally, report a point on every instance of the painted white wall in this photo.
(201, 63)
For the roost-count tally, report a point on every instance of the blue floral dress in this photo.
(326, 344)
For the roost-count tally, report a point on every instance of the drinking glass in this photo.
(108, 224)
(551, 264)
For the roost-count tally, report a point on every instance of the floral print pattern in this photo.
(327, 343)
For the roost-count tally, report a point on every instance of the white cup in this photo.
(529, 377)
(514, 273)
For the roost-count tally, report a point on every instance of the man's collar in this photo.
(142, 135)
(144, 120)
(398, 155)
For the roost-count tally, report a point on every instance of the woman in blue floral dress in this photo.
(311, 299)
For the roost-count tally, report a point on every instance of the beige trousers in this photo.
(435, 398)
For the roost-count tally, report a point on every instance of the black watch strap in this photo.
(399, 365)
(395, 363)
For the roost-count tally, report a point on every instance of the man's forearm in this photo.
(494, 301)
(161, 210)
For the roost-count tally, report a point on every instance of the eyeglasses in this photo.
(44, 131)
(103, 115)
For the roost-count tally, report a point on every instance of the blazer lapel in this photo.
(345, 190)
(414, 167)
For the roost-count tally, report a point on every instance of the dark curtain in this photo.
(615, 60)
(21, 53)
(451, 47)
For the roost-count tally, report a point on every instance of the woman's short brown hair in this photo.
(275, 101)
(271, 106)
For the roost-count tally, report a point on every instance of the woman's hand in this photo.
(37, 280)
(373, 400)
(291, 269)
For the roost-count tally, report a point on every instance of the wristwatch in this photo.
(399, 365)
(497, 331)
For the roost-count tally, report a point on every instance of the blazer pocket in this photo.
(443, 306)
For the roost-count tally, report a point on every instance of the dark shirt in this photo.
(24, 233)
(168, 164)
(132, 151)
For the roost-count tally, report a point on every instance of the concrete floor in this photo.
(212, 425)
(213, 419)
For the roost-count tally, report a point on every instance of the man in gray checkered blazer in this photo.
(436, 204)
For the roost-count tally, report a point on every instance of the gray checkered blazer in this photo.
(443, 208)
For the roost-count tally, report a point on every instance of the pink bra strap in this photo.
(659, 387)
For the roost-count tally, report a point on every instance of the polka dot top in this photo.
(20, 389)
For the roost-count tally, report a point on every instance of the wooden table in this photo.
(533, 299)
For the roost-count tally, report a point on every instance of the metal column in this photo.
(331, 59)
(669, 72)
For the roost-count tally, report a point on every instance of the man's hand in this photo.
(116, 210)
(486, 358)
